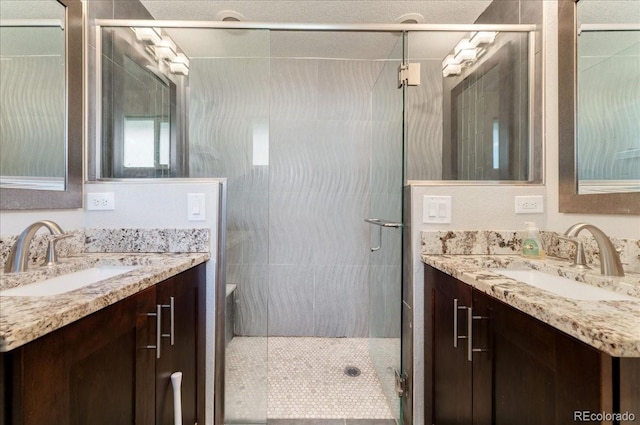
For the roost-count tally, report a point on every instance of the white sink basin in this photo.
(68, 282)
(564, 287)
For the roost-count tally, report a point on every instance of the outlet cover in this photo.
(529, 204)
(100, 201)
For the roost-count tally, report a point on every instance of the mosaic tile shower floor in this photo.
(303, 378)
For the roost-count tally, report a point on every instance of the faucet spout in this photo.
(19, 255)
(610, 264)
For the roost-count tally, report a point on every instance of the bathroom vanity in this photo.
(501, 351)
(104, 354)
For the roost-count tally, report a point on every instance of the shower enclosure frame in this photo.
(407, 256)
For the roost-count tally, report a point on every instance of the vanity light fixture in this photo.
(180, 65)
(149, 35)
(464, 51)
(450, 66)
(165, 49)
(467, 52)
(483, 37)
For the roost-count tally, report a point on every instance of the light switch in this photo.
(436, 209)
(196, 207)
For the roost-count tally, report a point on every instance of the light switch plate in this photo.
(436, 209)
(196, 207)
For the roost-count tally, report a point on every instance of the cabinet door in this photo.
(85, 372)
(452, 369)
(180, 296)
(542, 375)
(482, 356)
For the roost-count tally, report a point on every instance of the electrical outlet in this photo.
(529, 204)
(100, 201)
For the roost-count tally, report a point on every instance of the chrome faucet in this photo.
(610, 264)
(19, 256)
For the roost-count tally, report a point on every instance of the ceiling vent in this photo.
(410, 18)
(230, 16)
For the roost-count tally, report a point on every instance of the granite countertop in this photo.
(23, 319)
(612, 327)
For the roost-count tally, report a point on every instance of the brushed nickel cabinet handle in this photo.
(171, 307)
(470, 349)
(456, 308)
(158, 316)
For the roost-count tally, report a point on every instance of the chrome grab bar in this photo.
(381, 223)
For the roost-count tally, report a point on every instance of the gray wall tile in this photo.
(290, 300)
(341, 301)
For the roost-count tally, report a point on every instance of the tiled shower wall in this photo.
(298, 247)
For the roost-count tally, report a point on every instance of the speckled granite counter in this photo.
(23, 319)
(609, 326)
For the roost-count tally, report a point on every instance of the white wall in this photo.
(14, 222)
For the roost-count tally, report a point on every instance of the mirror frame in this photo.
(71, 197)
(570, 201)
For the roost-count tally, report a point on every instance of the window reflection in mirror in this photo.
(140, 121)
(608, 97)
(33, 101)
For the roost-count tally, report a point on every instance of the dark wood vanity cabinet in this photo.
(182, 348)
(488, 363)
(461, 381)
(104, 368)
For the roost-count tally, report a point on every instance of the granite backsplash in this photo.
(497, 242)
(113, 241)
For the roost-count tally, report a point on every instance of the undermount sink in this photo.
(562, 286)
(67, 282)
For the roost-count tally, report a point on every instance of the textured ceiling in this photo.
(222, 43)
(325, 11)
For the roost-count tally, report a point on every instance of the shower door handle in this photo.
(381, 223)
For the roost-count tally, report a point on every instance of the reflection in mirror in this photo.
(33, 103)
(602, 199)
(608, 97)
(475, 124)
(144, 76)
(488, 118)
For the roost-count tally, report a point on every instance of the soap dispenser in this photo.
(532, 245)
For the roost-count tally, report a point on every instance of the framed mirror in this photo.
(143, 112)
(599, 72)
(41, 109)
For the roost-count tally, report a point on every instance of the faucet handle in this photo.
(581, 259)
(52, 257)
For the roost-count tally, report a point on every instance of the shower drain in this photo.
(351, 371)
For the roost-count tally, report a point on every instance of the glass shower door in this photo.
(385, 224)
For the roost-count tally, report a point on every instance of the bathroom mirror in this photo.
(144, 76)
(486, 134)
(41, 107)
(475, 119)
(599, 72)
